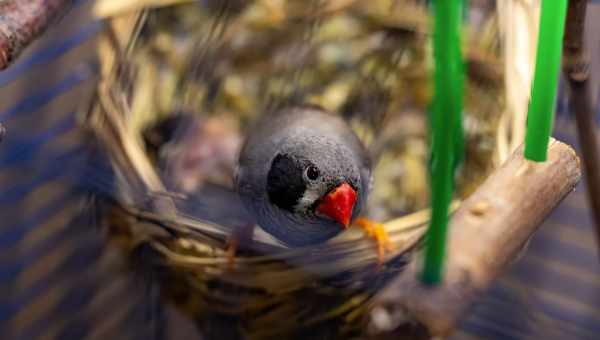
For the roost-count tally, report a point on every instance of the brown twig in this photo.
(21, 21)
(487, 234)
(576, 68)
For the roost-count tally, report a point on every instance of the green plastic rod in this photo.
(545, 80)
(446, 130)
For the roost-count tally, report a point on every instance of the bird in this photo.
(305, 176)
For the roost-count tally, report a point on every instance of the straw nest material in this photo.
(179, 85)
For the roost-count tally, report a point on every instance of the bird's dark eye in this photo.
(312, 172)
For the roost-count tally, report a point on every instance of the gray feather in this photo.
(307, 133)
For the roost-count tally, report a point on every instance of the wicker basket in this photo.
(270, 291)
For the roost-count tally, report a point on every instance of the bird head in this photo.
(316, 180)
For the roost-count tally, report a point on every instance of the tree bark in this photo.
(21, 21)
(486, 234)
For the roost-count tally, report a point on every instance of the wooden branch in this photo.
(575, 27)
(486, 234)
(21, 21)
(576, 68)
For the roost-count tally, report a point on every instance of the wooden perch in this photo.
(486, 234)
(21, 21)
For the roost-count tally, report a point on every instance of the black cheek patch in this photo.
(285, 184)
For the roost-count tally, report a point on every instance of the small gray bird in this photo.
(304, 175)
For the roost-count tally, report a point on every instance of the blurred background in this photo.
(59, 278)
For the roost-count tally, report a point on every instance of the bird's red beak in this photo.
(338, 204)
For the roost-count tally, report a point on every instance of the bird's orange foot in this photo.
(239, 238)
(376, 231)
(231, 250)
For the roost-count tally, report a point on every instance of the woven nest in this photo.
(187, 77)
